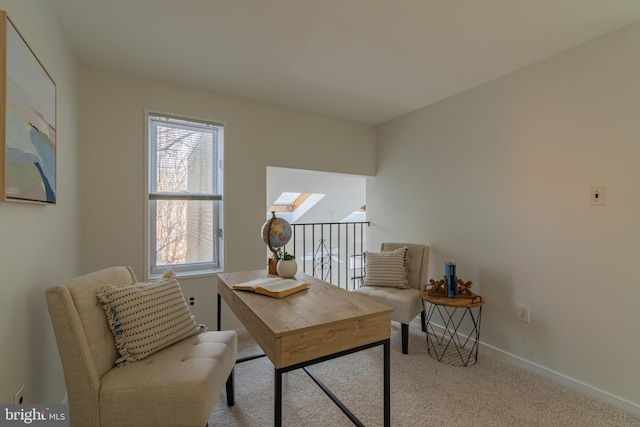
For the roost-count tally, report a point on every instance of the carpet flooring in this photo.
(424, 392)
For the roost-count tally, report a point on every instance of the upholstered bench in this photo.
(113, 383)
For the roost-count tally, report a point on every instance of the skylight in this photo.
(287, 198)
(292, 206)
(358, 216)
(288, 202)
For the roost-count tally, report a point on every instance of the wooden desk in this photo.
(312, 326)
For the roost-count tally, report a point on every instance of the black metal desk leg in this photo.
(277, 399)
(387, 383)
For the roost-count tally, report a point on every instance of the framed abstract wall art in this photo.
(27, 121)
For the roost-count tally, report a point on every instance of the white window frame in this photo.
(216, 265)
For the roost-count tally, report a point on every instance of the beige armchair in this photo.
(175, 386)
(406, 303)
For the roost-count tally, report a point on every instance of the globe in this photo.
(276, 232)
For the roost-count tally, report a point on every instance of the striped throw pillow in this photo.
(386, 268)
(147, 317)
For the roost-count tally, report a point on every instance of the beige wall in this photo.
(39, 245)
(497, 179)
(256, 136)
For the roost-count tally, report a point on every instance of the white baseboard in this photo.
(559, 378)
(556, 377)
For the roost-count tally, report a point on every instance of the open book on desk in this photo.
(276, 287)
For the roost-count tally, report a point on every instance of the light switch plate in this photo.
(596, 196)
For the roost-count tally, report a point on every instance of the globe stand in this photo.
(272, 263)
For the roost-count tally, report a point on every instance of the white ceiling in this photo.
(365, 60)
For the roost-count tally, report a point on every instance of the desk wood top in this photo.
(322, 303)
(321, 320)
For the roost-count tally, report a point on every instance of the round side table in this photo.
(457, 337)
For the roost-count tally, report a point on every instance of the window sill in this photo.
(187, 274)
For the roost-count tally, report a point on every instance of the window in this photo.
(291, 206)
(184, 195)
(288, 202)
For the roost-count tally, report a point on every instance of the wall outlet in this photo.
(524, 313)
(18, 398)
(192, 301)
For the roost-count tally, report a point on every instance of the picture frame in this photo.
(27, 121)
